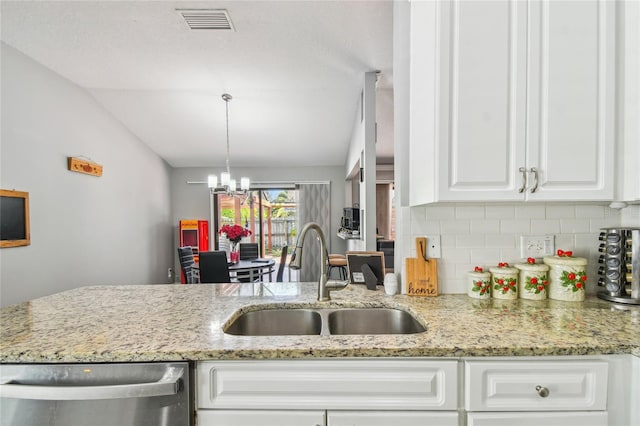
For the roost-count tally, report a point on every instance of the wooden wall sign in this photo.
(83, 166)
(422, 273)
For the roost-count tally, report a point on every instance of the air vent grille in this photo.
(207, 19)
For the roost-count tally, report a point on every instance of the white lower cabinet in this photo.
(395, 418)
(536, 419)
(260, 417)
(340, 392)
(556, 392)
(500, 391)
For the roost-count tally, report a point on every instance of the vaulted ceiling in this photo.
(294, 69)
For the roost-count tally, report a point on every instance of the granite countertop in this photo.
(176, 322)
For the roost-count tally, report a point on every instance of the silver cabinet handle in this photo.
(169, 384)
(523, 172)
(535, 179)
(542, 391)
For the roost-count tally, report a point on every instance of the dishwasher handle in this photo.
(169, 384)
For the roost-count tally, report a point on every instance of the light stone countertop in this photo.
(185, 322)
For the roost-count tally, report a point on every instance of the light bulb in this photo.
(244, 184)
(224, 178)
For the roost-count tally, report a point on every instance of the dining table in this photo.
(253, 268)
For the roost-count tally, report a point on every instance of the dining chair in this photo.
(214, 267)
(283, 263)
(188, 266)
(249, 251)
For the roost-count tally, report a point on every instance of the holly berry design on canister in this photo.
(536, 284)
(482, 287)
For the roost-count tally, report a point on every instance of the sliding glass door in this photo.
(270, 215)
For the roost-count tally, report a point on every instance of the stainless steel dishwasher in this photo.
(132, 394)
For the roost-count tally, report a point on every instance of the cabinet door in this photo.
(352, 384)
(260, 418)
(395, 418)
(536, 385)
(483, 81)
(570, 101)
(536, 419)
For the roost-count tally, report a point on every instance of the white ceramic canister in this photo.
(533, 280)
(479, 284)
(567, 277)
(504, 281)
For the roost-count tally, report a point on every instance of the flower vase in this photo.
(234, 254)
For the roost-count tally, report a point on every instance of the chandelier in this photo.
(227, 185)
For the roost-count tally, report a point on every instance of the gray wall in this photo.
(191, 201)
(85, 230)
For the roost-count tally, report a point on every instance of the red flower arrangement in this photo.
(234, 232)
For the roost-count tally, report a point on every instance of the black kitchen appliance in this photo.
(351, 218)
(620, 265)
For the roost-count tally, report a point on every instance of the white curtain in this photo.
(314, 205)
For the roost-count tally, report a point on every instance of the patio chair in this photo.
(249, 251)
(214, 268)
(190, 272)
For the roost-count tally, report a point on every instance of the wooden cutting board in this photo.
(422, 273)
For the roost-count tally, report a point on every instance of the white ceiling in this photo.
(294, 69)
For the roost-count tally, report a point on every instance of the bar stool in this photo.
(338, 261)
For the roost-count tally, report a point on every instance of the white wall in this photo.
(85, 230)
(191, 201)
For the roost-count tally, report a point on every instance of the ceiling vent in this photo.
(207, 19)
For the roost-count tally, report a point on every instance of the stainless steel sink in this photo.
(373, 321)
(338, 321)
(277, 322)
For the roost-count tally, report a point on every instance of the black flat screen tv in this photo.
(14, 218)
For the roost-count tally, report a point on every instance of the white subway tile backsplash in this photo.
(561, 212)
(589, 241)
(448, 240)
(501, 241)
(590, 211)
(455, 255)
(485, 257)
(485, 226)
(484, 235)
(515, 226)
(565, 242)
(530, 212)
(499, 212)
(470, 212)
(470, 241)
(596, 224)
(545, 227)
(455, 226)
(509, 255)
(574, 225)
(630, 216)
(439, 213)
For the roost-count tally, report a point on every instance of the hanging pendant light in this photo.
(227, 184)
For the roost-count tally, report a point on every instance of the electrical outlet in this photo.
(433, 247)
(537, 246)
(170, 273)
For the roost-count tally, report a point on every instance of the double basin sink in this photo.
(324, 321)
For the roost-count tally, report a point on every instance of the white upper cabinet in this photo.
(512, 100)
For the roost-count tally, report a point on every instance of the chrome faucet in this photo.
(324, 284)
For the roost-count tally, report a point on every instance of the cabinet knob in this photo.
(542, 391)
